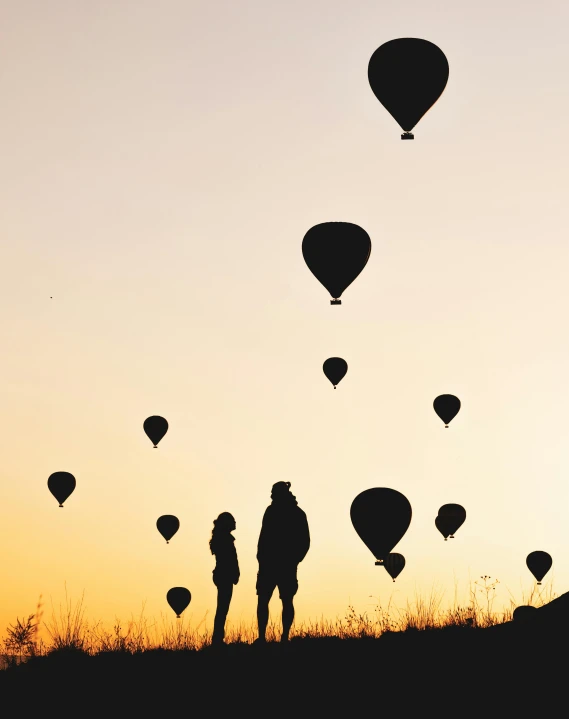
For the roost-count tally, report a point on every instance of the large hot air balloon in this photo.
(168, 525)
(155, 428)
(178, 598)
(446, 406)
(408, 75)
(394, 564)
(335, 368)
(452, 517)
(539, 563)
(380, 516)
(61, 484)
(336, 253)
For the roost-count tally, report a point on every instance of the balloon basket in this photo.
(335, 302)
(379, 563)
(407, 136)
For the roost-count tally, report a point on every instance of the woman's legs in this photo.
(224, 594)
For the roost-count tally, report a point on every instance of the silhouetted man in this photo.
(283, 544)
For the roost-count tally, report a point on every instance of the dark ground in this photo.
(515, 669)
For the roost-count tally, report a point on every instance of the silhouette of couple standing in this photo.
(283, 543)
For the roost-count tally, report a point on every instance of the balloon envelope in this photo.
(394, 563)
(61, 484)
(178, 598)
(539, 563)
(453, 516)
(335, 368)
(408, 75)
(168, 525)
(380, 516)
(336, 253)
(443, 525)
(446, 406)
(155, 428)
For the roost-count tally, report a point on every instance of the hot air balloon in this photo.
(446, 406)
(394, 564)
(380, 516)
(408, 75)
(155, 428)
(335, 368)
(453, 516)
(61, 484)
(539, 563)
(336, 253)
(168, 525)
(443, 525)
(178, 598)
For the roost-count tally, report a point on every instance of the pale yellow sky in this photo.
(161, 163)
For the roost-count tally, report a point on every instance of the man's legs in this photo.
(288, 587)
(263, 600)
(265, 588)
(288, 617)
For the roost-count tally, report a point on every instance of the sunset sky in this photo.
(160, 165)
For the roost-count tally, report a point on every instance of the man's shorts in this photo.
(282, 577)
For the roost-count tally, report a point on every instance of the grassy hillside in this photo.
(460, 663)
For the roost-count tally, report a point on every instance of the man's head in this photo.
(281, 490)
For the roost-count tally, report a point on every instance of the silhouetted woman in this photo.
(226, 571)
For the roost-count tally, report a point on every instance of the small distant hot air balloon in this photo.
(539, 563)
(394, 564)
(451, 517)
(446, 406)
(155, 428)
(335, 368)
(178, 598)
(408, 75)
(168, 525)
(442, 524)
(380, 516)
(61, 484)
(336, 253)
